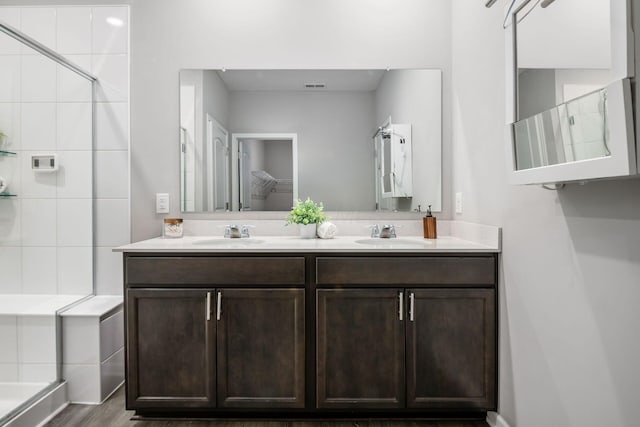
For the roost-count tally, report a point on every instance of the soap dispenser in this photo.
(429, 225)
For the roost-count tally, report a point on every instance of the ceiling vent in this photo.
(314, 85)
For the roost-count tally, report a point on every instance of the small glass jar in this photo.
(172, 228)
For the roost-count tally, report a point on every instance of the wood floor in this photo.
(112, 414)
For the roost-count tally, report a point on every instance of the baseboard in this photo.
(41, 411)
(495, 420)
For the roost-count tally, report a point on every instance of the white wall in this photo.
(334, 129)
(571, 259)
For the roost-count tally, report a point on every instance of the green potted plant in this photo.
(307, 214)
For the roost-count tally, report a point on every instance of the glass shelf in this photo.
(7, 195)
(7, 153)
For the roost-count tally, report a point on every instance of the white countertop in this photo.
(272, 244)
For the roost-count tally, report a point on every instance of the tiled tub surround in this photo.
(47, 108)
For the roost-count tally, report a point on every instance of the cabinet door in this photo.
(170, 349)
(360, 348)
(451, 347)
(261, 355)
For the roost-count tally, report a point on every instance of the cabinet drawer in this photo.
(212, 271)
(468, 271)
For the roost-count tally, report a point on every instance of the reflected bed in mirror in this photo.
(355, 140)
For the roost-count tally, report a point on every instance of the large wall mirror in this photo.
(355, 140)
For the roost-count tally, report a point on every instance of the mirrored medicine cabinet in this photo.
(569, 106)
(355, 140)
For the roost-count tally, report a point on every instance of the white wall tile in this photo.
(71, 86)
(9, 337)
(75, 270)
(112, 126)
(81, 340)
(10, 168)
(38, 126)
(73, 30)
(37, 339)
(8, 372)
(35, 184)
(11, 268)
(110, 30)
(112, 217)
(10, 74)
(38, 79)
(40, 23)
(38, 222)
(10, 125)
(83, 382)
(74, 126)
(37, 372)
(39, 267)
(108, 272)
(74, 177)
(11, 17)
(113, 77)
(112, 174)
(10, 222)
(75, 222)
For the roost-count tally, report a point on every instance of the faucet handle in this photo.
(244, 230)
(375, 231)
(230, 229)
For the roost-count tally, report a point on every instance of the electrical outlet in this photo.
(458, 203)
(162, 202)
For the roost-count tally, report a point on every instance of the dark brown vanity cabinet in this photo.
(192, 346)
(360, 349)
(260, 348)
(170, 349)
(430, 346)
(282, 333)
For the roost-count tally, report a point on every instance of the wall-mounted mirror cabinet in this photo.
(355, 140)
(569, 108)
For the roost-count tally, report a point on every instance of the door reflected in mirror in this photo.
(256, 140)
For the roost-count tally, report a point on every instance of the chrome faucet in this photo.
(236, 232)
(388, 231)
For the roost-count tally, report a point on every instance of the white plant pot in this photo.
(307, 231)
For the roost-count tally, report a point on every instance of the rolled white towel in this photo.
(327, 230)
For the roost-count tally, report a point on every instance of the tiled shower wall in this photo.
(46, 232)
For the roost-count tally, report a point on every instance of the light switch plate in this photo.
(458, 203)
(162, 202)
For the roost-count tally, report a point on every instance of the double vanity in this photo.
(310, 327)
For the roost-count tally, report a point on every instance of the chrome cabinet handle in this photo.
(400, 304)
(208, 306)
(219, 306)
(412, 298)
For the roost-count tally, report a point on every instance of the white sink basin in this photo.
(394, 243)
(229, 243)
